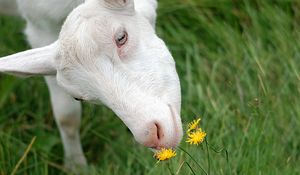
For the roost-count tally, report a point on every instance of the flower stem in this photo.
(220, 151)
(168, 165)
(193, 159)
(190, 168)
(208, 158)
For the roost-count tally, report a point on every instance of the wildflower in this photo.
(196, 137)
(193, 125)
(164, 154)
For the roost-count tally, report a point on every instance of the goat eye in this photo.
(78, 99)
(121, 38)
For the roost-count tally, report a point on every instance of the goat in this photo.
(106, 52)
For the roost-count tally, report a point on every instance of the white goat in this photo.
(107, 52)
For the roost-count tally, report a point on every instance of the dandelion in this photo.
(193, 125)
(164, 154)
(196, 137)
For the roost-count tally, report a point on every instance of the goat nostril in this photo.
(159, 132)
(154, 136)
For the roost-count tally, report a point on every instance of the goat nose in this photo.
(154, 135)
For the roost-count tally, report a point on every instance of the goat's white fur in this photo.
(38, 61)
(68, 77)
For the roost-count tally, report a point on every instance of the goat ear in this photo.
(38, 61)
(123, 6)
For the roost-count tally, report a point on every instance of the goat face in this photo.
(108, 53)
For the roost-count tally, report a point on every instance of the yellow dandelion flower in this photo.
(196, 137)
(193, 125)
(164, 154)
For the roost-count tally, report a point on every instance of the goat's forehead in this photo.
(105, 22)
(100, 16)
(96, 10)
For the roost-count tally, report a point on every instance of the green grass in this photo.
(239, 64)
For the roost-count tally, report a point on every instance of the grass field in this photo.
(239, 65)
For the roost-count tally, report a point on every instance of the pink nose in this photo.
(156, 138)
